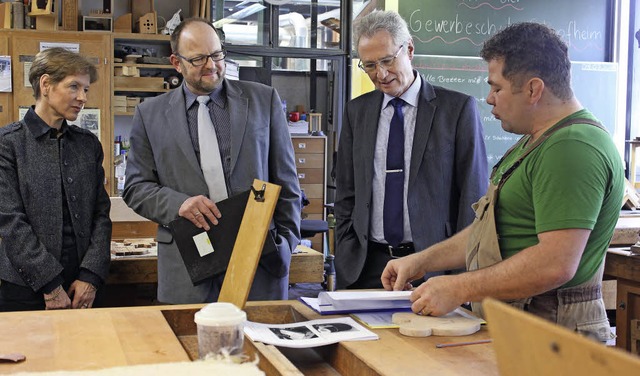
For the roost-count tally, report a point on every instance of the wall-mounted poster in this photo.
(88, 118)
(5, 74)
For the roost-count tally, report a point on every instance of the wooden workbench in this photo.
(110, 337)
(625, 268)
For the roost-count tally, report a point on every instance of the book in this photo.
(206, 254)
(308, 333)
(344, 302)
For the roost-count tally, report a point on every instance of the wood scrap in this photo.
(450, 325)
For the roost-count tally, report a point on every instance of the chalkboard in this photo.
(594, 84)
(459, 27)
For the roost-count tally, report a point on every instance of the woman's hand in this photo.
(82, 293)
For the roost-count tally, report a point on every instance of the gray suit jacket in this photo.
(163, 171)
(448, 173)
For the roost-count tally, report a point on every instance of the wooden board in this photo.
(627, 231)
(451, 325)
(51, 340)
(528, 345)
(248, 247)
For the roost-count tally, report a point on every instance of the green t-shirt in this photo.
(574, 179)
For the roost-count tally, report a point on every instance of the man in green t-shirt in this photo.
(541, 233)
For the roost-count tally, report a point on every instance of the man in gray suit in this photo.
(165, 178)
(440, 167)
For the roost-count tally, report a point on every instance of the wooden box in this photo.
(97, 23)
(392, 354)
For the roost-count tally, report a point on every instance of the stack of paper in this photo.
(340, 302)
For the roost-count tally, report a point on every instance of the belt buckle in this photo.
(391, 252)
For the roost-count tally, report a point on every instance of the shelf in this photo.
(145, 66)
(141, 89)
(148, 38)
(120, 113)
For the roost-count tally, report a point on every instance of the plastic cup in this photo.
(220, 329)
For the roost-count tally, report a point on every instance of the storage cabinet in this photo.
(311, 163)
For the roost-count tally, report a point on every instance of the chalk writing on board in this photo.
(460, 27)
(594, 84)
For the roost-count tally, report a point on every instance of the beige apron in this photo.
(579, 308)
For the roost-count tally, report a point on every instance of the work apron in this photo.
(578, 308)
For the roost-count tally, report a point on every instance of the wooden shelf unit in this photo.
(311, 162)
(161, 43)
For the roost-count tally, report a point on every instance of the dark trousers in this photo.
(378, 255)
(19, 298)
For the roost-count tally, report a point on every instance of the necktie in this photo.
(210, 160)
(393, 218)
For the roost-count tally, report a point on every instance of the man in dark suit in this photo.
(165, 178)
(405, 187)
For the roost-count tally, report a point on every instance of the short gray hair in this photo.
(59, 63)
(377, 20)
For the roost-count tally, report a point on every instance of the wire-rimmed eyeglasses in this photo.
(384, 63)
(201, 60)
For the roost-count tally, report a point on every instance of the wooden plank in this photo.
(88, 339)
(248, 247)
(124, 230)
(550, 349)
(627, 231)
(131, 83)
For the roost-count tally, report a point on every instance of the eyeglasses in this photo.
(385, 63)
(201, 60)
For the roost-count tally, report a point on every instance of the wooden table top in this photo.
(110, 337)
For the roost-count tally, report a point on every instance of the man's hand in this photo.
(437, 296)
(399, 273)
(197, 208)
(82, 293)
(57, 299)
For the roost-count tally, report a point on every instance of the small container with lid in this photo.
(220, 329)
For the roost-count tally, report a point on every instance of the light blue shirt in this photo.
(410, 111)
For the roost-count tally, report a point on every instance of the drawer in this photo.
(308, 145)
(309, 160)
(316, 206)
(311, 175)
(312, 190)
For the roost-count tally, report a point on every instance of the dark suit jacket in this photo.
(448, 173)
(163, 171)
(32, 170)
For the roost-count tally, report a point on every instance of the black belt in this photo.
(400, 251)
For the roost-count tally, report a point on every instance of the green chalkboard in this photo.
(459, 27)
(594, 84)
